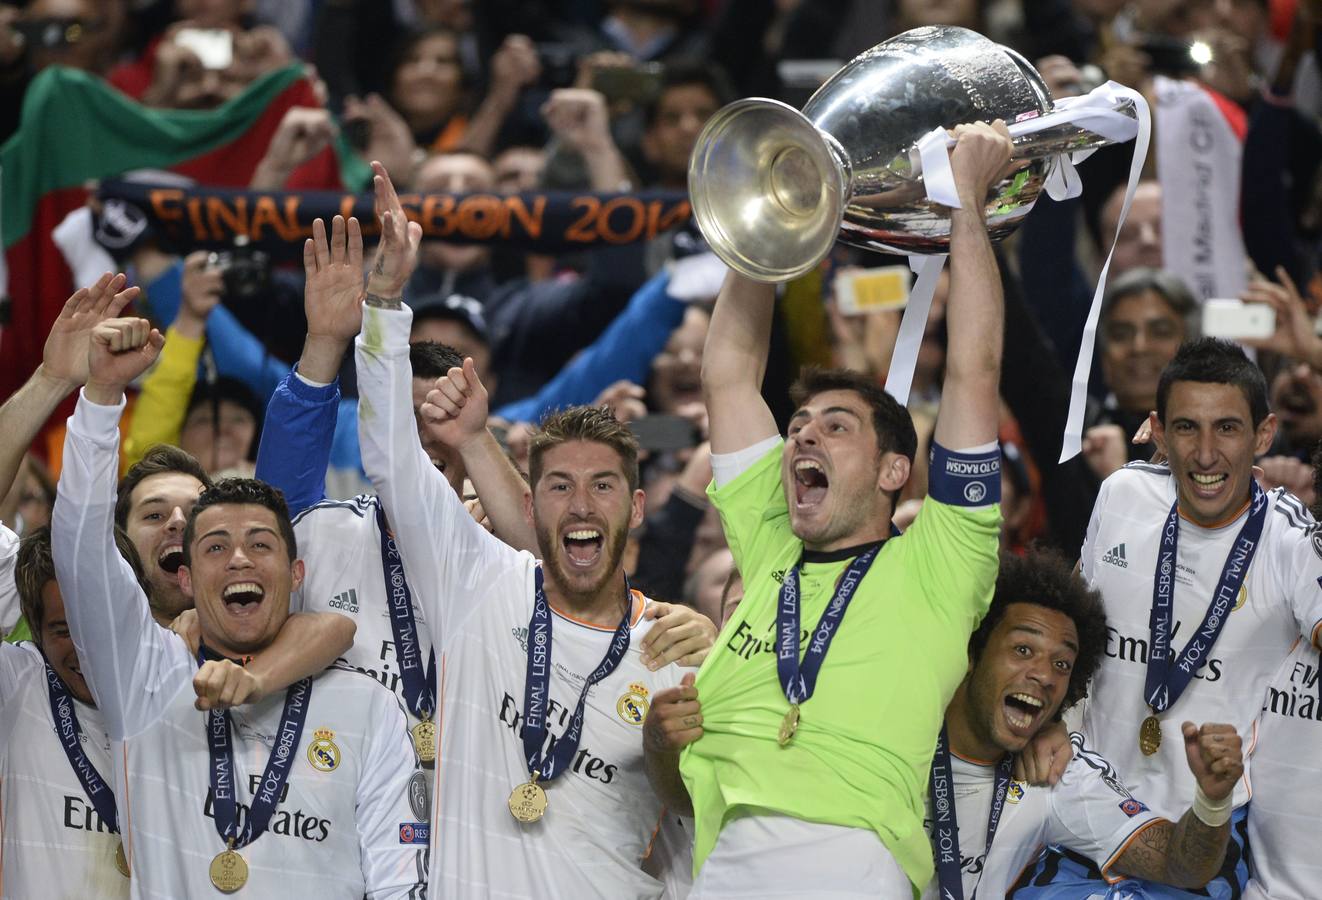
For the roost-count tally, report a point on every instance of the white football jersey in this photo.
(340, 545)
(1088, 811)
(1281, 598)
(477, 593)
(52, 842)
(1287, 783)
(352, 819)
(9, 606)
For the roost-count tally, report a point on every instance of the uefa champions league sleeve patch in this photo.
(1132, 807)
(965, 479)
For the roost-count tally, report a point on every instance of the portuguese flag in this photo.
(76, 128)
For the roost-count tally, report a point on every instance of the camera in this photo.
(246, 272)
(559, 65)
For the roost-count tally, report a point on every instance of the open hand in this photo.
(333, 290)
(65, 356)
(681, 635)
(397, 254)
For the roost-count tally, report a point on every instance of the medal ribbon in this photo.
(274, 778)
(945, 823)
(69, 733)
(419, 683)
(537, 687)
(1166, 678)
(799, 679)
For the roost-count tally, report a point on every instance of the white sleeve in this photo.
(1090, 537)
(17, 664)
(1301, 571)
(132, 665)
(9, 606)
(390, 786)
(1092, 813)
(449, 559)
(726, 467)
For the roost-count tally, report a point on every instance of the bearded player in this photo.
(543, 676)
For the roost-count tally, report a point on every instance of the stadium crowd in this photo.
(375, 337)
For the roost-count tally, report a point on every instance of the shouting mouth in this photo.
(243, 597)
(583, 547)
(810, 483)
(1022, 712)
(171, 558)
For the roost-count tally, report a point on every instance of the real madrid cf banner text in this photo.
(187, 218)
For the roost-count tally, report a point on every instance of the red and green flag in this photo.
(76, 128)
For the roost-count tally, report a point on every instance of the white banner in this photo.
(1198, 165)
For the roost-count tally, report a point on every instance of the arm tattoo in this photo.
(383, 302)
(1185, 854)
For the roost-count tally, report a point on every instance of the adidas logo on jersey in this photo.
(1116, 556)
(347, 601)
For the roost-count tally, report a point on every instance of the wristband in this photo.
(1211, 813)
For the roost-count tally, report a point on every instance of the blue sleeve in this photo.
(297, 437)
(237, 352)
(624, 352)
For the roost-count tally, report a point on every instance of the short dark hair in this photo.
(35, 567)
(1215, 361)
(1168, 286)
(159, 460)
(242, 492)
(684, 73)
(432, 359)
(890, 420)
(1045, 578)
(596, 424)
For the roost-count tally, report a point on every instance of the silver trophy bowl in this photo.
(773, 188)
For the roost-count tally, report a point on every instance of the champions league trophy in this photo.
(773, 188)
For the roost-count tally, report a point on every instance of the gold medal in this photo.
(789, 725)
(1149, 735)
(528, 802)
(228, 871)
(121, 860)
(424, 741)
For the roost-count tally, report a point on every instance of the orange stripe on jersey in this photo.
(651, 842)
(1317, 634)
(1230, 517)
(635, 598)
(1115, 857)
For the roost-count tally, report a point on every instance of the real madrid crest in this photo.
(1015, 792)
(632, 706)
(323, 755)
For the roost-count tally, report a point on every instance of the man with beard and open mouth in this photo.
(1208, 581)
(821, 703)
(312, 788)
(543, 676)
(1031, 658)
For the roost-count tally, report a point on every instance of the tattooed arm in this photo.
(1189, 853)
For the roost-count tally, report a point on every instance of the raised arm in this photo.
(734, 360)
(133, 666)
(975, 314)
(456, 413)
(63, 369)
(1190, 852)
(303, 410)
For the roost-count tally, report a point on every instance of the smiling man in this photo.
(1030, 659)
(818, 714)
(544, 671)
(1208, 582)
(311, 789)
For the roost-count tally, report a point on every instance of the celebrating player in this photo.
(1031, 657)
(807, 767)
(1208, 581)
(325, 766)
(543, 676)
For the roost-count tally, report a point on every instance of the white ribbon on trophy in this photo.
(1094, 111)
